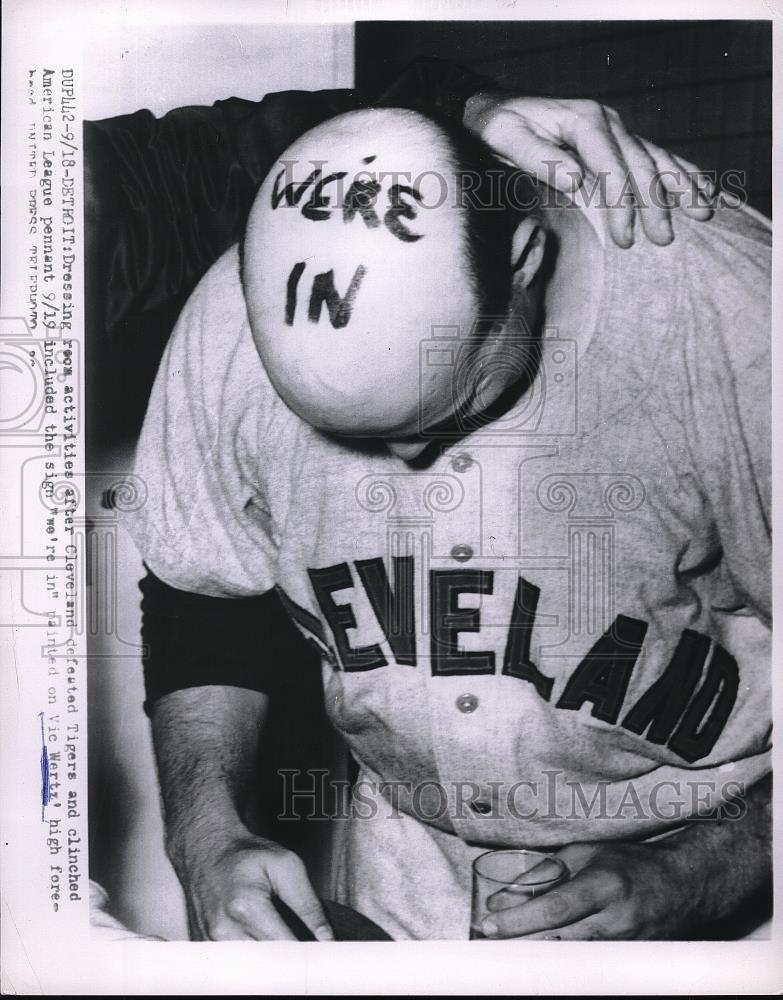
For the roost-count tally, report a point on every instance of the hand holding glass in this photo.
(502, 879)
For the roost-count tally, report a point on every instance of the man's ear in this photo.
(527, 251)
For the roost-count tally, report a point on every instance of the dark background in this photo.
(701, 89)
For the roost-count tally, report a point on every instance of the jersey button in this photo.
(467, 703)
(462, 553)
(482, 808)
(461, 462)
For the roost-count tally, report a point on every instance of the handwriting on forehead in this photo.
(339, 307)
(361, 199)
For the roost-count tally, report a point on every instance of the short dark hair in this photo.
(495, 198)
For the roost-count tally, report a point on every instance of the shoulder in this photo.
(732, 248)
(211, 363)
(712, 281)
(213, 322)
(727, 285)
(213, 430)
(729, 256)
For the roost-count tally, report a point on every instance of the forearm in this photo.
(206, 741)
(725, 861)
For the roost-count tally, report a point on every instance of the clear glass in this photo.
(508, 878)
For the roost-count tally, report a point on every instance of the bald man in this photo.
(391, 243)
(513, 483)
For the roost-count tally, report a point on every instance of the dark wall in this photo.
(701, 89)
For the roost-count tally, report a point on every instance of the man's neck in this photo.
(573, 292)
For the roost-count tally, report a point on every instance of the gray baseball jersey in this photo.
(558, 630)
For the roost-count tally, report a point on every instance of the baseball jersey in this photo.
(557, 630)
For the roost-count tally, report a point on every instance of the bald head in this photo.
(355, 249)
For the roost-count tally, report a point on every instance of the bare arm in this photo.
(655, 890)
(206, 740)
(725, 861)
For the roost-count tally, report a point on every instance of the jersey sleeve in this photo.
(725, 361)
(204, 525)
(194, 641)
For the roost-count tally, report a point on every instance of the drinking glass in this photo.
(508, 878)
